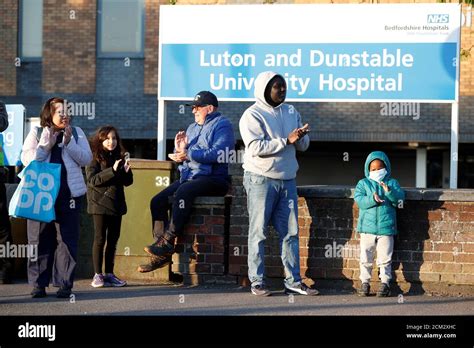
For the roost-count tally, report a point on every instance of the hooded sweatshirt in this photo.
(378, 218)
(264, 130)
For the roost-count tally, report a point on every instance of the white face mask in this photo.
(378, 175)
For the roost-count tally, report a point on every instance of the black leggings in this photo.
(107, 229)
(5, 234)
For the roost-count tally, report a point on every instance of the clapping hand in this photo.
(67, 135)
(180, 141)
(48, 138)
(303, 131)
(180, 144)
(126, 165)
(384, 186)
(297, 134)
(117, 164)
(377, 198)
(178, 156)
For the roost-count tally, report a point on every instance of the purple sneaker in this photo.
(111, 280)
(98, 280)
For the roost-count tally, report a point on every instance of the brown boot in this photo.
(156, 262)
(163, 247)
(158, 230)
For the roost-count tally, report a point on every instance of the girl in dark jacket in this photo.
(107, 175)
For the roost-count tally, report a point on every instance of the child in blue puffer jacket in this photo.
(378, 196)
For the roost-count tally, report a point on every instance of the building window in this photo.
(120, 28)
(31, 29)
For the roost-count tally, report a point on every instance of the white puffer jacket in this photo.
(75, 155)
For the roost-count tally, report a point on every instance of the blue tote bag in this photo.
(36, 194)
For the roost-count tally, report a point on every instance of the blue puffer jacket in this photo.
(207, 147)
(378, 218)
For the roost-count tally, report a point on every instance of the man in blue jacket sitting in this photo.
(203, 172)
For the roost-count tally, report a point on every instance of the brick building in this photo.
(105, 53)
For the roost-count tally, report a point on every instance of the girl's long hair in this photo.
(98, 151)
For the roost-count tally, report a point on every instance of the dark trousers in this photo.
(182, 204)
(107, 233)
(5, 231)
(57, 248)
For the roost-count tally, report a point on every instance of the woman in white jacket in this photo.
(57, 142)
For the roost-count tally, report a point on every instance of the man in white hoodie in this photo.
(272, 132)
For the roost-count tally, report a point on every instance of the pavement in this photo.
(218, 300)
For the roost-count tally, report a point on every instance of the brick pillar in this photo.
(239, 226)
(466, 83)
(69, 46)
(201, 253)
(152, 15)
(8, 46)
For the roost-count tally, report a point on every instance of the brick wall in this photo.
(8, 46)
(69, 46)
(201, 256)
(434, 251)
(435, 243)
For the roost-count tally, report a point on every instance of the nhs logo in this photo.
(438, 18)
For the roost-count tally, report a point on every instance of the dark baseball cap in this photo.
(204, 98)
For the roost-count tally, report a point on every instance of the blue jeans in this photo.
(276, 201)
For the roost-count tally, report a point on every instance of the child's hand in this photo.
(377, 198)
(384, 186)
(126, 166)
(116, 164)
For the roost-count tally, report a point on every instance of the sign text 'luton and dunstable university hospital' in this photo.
(325, 52)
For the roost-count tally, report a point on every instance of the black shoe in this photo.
(364, 290)
(38, 293)
(155, 263)
(5, 273)
(384, 290)
(63, 293)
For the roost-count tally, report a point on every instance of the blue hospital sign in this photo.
(325, 52)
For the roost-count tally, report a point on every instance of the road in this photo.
(170, 300)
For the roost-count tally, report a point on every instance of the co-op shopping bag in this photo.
(36, 194)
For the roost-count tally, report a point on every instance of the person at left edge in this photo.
(5, 230)
(56, 142)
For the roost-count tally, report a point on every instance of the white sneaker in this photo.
(98, 280)
(301, 289)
